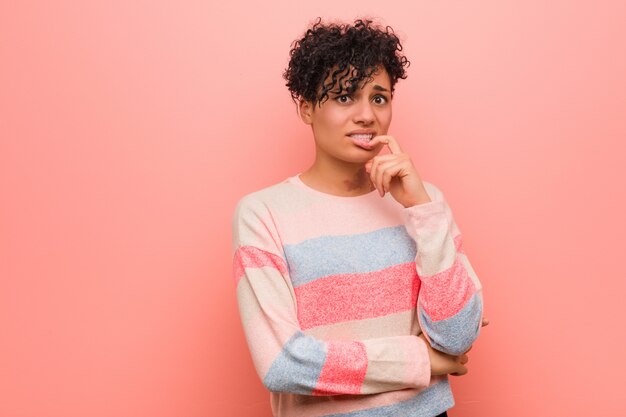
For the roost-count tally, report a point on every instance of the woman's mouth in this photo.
(362, 139)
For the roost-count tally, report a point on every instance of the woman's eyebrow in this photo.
(379, 88)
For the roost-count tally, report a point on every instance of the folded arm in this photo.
(450, 303)
(287, 359)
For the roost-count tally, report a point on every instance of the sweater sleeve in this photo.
(450, 301)
(286, 358)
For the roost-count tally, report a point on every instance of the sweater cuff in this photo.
(432, 215)
(422, 368)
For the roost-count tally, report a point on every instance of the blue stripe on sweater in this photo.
(430, 402)
(298, 366)
(360, 253)
(456, 334)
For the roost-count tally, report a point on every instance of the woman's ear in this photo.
(305, 109)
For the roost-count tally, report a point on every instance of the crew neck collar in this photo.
(297, 181)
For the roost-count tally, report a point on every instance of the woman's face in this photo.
(344, 124)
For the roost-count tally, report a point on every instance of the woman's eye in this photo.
(343, 99)
(380, 99)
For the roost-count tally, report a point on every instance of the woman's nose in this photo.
(364, 114)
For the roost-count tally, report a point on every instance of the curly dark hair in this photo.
(349, 54)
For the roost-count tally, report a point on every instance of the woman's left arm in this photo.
(450, 302)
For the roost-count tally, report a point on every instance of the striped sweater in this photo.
(333, 291)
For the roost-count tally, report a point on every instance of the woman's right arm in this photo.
(287, 359)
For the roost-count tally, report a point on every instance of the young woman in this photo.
(354, 291)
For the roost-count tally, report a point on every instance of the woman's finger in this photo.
(385, 171)
(389, 171)
(372, 164)
(377, 171)
(390, 141)
(461, 370)
(373, 171)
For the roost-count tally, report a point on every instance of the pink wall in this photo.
(128, 131)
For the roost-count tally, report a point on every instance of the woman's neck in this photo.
(338, 179)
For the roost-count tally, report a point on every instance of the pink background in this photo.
(128, 131)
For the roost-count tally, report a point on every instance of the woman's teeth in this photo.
(367, 136)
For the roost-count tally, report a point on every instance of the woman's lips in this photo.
(362, 139)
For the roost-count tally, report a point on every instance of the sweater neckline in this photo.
(297, 181)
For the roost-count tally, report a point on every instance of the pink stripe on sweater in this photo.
(458, 244)
(345, 297)
(344, 369)
(252, 257)
(446, 293)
